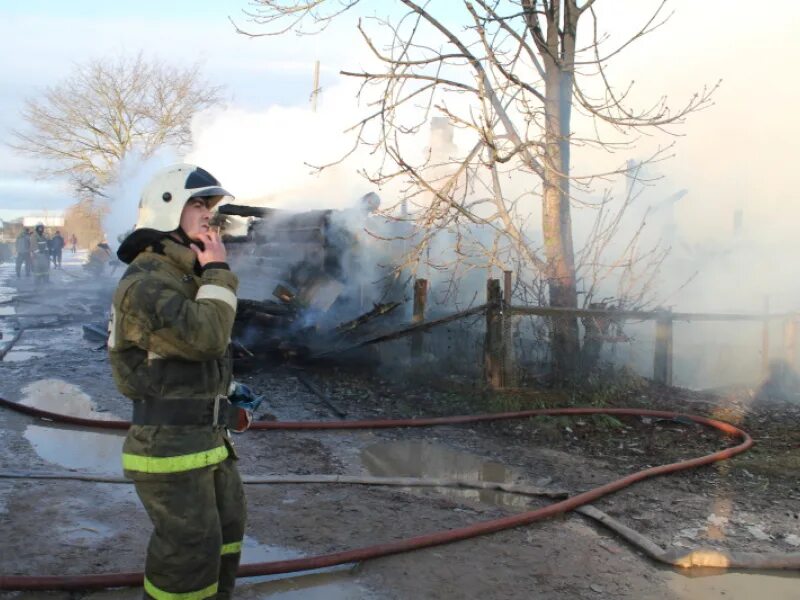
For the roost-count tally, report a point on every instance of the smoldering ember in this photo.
(483, 340)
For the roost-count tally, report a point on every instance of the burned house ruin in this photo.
(309, 281)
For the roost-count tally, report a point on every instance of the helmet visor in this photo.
(214, 194)
(210, 191)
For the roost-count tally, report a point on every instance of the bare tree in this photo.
(106, 108)
(510, 72)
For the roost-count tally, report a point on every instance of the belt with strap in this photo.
(181, 412)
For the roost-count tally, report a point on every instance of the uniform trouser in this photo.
(24, 259)
(57, 258)
(41, 267)
(198, 518)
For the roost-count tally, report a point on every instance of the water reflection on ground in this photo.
(334, 583)
(22, 354)
(713, 584)
(416, 458)
(75, 449)
(84, 451)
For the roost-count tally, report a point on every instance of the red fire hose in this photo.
(85, 582)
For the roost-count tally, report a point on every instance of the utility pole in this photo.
(315, 89)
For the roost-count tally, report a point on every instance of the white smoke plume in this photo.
(132, 175)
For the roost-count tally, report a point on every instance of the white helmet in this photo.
(164, 197)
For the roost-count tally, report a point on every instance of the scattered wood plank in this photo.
(11, 343)
(321, 395)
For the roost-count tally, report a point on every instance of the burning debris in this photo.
(304, 282)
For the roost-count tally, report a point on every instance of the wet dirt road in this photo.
(58, 527)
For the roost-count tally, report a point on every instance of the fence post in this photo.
(662, 357)
(790, 341)
(493, 343)
(509, 373)
(420, 299)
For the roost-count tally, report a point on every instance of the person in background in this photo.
(23, 247)
(73, 240)
(56, 247)
(100, 257)
(40, 248)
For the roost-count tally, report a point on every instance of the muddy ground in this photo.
(750, 503)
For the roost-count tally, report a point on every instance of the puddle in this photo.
(414, 458)
(6, 326)
(326, 584)
(6, 293)
(21, 354)
(81, 450)
(57, 395)
(320, 584)
(734, 586)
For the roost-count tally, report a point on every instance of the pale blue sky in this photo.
(186, 9)
(41, 40)
(726, 154)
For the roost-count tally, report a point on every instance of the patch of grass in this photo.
(764, 462)
(607, 422)
(609, 386)
(517, 400)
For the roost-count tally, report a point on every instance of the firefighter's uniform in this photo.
(40, 247)
(168, 343)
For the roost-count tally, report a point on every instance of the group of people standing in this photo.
(35, 252)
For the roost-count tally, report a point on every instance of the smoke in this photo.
(267, 158)
(734, 160)
(133, 173)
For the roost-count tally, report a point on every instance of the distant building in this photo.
(50, 219)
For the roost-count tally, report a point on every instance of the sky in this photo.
(42, 40)
(738, 155)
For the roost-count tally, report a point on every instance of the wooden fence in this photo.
(498, 354)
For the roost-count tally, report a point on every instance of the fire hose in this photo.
(133, 579)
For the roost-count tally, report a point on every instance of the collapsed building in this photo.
(312, 281)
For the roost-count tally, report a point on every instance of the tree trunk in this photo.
(556, 219)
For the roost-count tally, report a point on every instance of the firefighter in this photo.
(40, 249)
(23, 246)
(171, 322)
(99, 257)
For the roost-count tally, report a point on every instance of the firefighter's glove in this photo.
(245, 402)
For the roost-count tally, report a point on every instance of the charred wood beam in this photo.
(377, 311)
(407, 330)
(240, 210)
(271, 308)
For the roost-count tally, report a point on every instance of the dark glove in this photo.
(245, 402)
